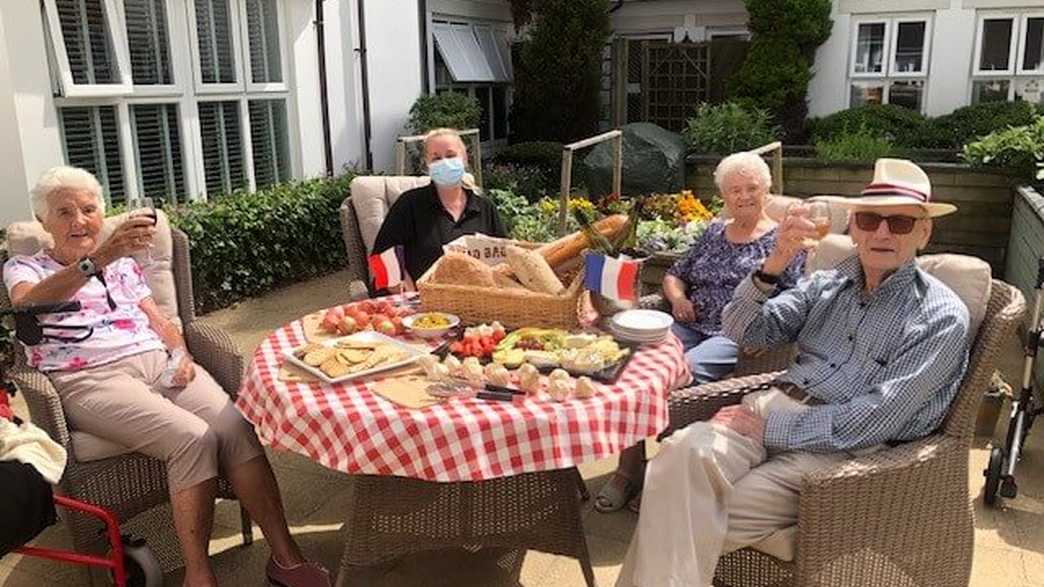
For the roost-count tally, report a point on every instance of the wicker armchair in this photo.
(897, 517)
(361, 215)
(128, 483)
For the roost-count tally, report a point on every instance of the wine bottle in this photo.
(595, 238)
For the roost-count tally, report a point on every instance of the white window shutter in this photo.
(270, 137)
(222, 147)
(488, 44)
(91, 139)
(148, 39)
(157, 145)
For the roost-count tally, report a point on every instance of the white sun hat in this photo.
(897, 182)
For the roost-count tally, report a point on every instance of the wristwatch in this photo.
(88, 267)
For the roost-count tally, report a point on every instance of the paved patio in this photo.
(1009, 543)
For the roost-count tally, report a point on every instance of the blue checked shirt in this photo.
(887, 364)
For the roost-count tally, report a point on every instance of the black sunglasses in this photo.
(897, 224)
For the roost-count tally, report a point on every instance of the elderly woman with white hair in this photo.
(700, 284)
(112, 383)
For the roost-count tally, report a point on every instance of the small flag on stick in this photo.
(613, 278)
(387, 268)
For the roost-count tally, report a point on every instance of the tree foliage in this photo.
(558, 71)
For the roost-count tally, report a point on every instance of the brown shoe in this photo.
(302, 575)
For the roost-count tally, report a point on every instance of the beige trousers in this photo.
(711, 490)
(195, 429)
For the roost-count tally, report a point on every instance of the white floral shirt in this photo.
(117, 333)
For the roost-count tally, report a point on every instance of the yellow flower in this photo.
(691, 208)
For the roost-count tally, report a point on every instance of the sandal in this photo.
(615, 494)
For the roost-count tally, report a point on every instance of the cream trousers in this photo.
(194, 429)
(711, 490)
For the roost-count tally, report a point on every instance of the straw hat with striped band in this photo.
(897, 182)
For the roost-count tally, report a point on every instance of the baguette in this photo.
(533, 271)
(570, 246)
(463, 269)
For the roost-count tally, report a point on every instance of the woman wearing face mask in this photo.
(425, 218)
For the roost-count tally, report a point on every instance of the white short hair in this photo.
(743, 163)
(62, 178)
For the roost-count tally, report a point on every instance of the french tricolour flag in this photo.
(387, 268)
(613, 278)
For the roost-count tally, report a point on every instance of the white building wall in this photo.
(393, 60)
(828, 90)
(949, 77)
(28, 90)
(12, 207)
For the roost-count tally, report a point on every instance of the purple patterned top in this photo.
(714, 266)
(117, 333)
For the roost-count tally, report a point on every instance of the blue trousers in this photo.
(710, 358)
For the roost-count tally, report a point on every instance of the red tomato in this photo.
(498, 335)
(329, 323)
(457, 348)
(487, 345)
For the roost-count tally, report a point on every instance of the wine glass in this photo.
(819, 214)
(143, 207)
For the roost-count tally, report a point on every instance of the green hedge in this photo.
(900, 126)
(447, 110)
(728, 127)
(964, 125)
(245, 244)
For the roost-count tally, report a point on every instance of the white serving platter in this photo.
(367, 336)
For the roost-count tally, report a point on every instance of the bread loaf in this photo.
(533, 271)
(570, 246)
(462, 269)
(505, 281)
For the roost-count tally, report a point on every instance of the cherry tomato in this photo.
(457, 348)
(498, 335)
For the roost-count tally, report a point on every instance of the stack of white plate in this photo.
(641, 326)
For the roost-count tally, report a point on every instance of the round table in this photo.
(465, 472)
(348, 428)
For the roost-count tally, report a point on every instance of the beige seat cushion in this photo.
(372, 197)
(88, 447)
(969, 277)
(27, 238)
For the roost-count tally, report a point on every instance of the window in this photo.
(89, 59)
(889, 61)
(148, 42)
(91, 141)
(144, 131)
(1009, 57)
(268, 132)
(157, 144)
(219, 126)
(476, 59)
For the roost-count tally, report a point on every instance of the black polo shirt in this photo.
(419, 222)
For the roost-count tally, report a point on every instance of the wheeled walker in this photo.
(1000, 472)
(130, 561)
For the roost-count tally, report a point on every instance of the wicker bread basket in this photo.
(512, 307)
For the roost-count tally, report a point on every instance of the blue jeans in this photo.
(710, 358)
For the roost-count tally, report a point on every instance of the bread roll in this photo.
(461, 269)
(533, 271)
(506, 282)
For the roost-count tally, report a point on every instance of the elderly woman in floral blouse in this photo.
(112, 384)
(701, 283)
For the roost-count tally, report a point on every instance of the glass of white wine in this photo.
(143, 207)
(819, 214)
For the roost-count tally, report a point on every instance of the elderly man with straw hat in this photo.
(882, 347)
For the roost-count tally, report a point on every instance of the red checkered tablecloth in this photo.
(348, 428)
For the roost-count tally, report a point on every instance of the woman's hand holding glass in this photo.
(144, 208)
(133, 235)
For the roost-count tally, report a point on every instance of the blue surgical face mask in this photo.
(447, 172)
